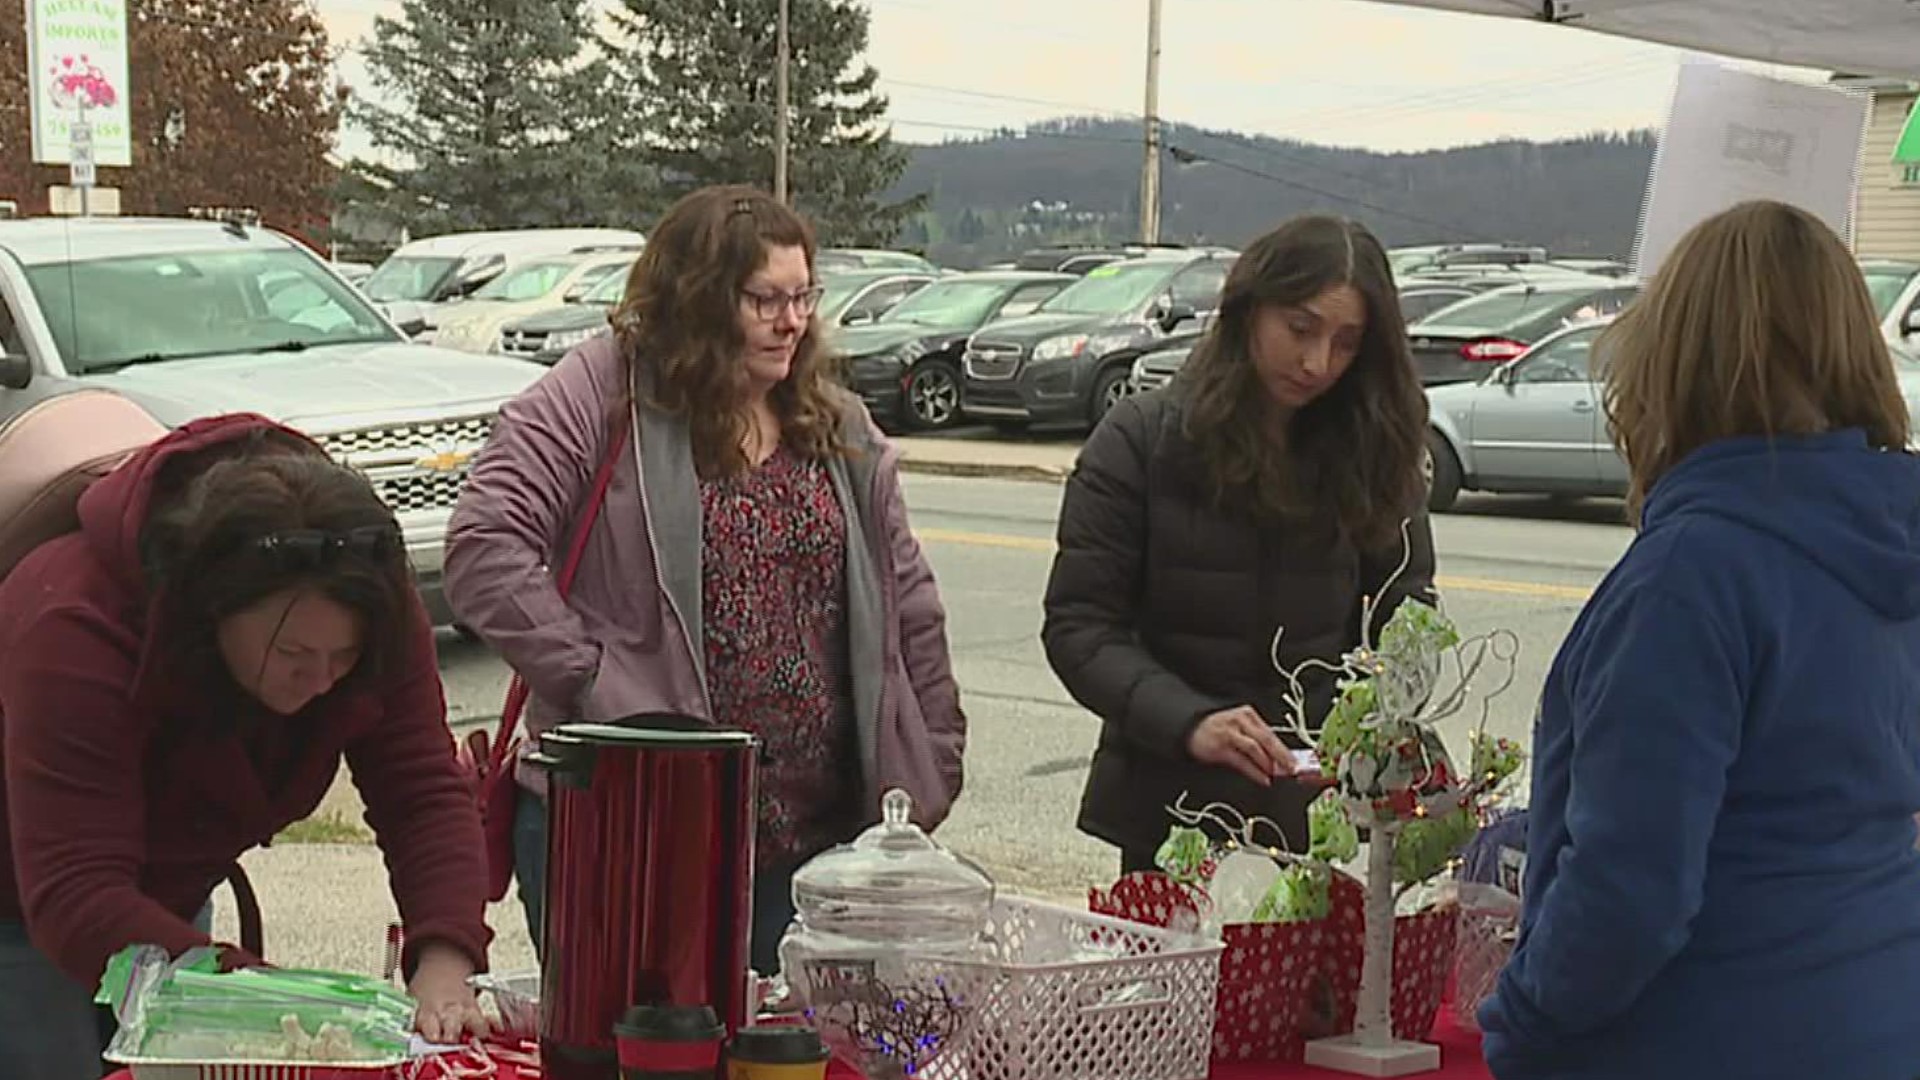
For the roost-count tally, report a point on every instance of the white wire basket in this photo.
(1046, 1014)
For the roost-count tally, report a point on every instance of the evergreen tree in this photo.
(701, 73)
(501, 119)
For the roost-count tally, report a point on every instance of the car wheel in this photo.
(1112, 387)
(1444, 478)
(933, 396)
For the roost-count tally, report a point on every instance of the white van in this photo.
(416, 281)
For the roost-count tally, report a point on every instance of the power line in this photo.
(1188, 157)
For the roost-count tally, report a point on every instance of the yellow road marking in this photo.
(1043, 546)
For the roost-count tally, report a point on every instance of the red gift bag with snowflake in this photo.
(1423, 950)
(1266, 971)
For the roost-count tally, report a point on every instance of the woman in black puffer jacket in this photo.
(1267, 487)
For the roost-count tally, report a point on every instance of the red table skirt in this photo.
(1459, 1060)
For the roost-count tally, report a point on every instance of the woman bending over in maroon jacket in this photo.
(180, 679)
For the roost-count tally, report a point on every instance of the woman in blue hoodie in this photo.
(1721, 878)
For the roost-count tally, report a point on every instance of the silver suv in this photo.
(196, 318)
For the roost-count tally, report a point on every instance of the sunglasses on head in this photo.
(306, 549)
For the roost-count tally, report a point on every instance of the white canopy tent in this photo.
(1857, 37)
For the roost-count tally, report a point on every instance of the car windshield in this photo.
(529, 282)
(1113, 289)
(109, 313)
(610, 290)
(1504, 310)
(402, 279)
(1886, 283)
(948, 303)
(841, 289)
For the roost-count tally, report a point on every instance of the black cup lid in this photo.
(777, 1044)
(670, 1023)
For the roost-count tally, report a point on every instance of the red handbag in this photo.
(491, 761)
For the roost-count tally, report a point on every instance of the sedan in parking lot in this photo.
(1538, 424)
(1466, 341)
(906, 365)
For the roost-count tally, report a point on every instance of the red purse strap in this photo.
(517, 691)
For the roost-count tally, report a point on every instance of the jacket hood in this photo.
(1848, 508)
(114, 509)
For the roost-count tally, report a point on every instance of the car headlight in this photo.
(1056, 348)
(565, 340)
(1102, 344)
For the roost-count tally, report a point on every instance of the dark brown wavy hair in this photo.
(203, 557)
(1355, 452)
(681, 318)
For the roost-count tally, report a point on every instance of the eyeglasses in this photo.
(312, 549)
(769, 305)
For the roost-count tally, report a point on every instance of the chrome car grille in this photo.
(986, 360)
(522, 342)
(414, 467)
(426, 436)
(421, 491)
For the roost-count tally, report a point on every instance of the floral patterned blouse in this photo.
(773, 584)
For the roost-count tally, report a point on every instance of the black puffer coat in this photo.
(1162, 608)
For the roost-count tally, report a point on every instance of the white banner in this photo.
(77, 62)
(1734, 136)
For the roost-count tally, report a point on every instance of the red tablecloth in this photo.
(1459, 1060)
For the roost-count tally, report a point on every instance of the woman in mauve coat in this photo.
(752, 566)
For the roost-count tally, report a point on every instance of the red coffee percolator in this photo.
(650, 828)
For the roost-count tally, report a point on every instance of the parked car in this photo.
(906, 364)
(1072, 360)
(1612, 268)
(528, 289)
(1430, 257)
(353, 273)
(546, 336)
(836, 260)
(415, 284)
(1464, 342)
(1078, 259)
(1894, 285)
(1157, 365)
(858, 297)
(1421, 296)
(194, 318)
(1537, 424)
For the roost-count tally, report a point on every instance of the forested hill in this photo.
(1080, 180)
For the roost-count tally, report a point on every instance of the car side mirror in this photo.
(1173, 313)
(16, 371)
(1911, 324)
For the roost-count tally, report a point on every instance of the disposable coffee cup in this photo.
(777, 1052)
(669, 1042)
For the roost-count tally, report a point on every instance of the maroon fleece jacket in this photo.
(130, 788)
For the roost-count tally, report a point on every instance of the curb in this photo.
(1043, 474)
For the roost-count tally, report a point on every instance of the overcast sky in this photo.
(1344, 72)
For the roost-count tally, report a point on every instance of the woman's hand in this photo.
(1239, 739)
(447, 1010)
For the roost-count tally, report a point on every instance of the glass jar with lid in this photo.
(889, 933)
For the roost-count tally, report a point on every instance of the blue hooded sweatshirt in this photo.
(1721, 876)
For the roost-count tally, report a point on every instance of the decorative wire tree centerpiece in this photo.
(1392, 776)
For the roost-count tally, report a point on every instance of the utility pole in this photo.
(780, 134)
(1150, 168)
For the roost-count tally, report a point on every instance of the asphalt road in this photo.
(1520, 565)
